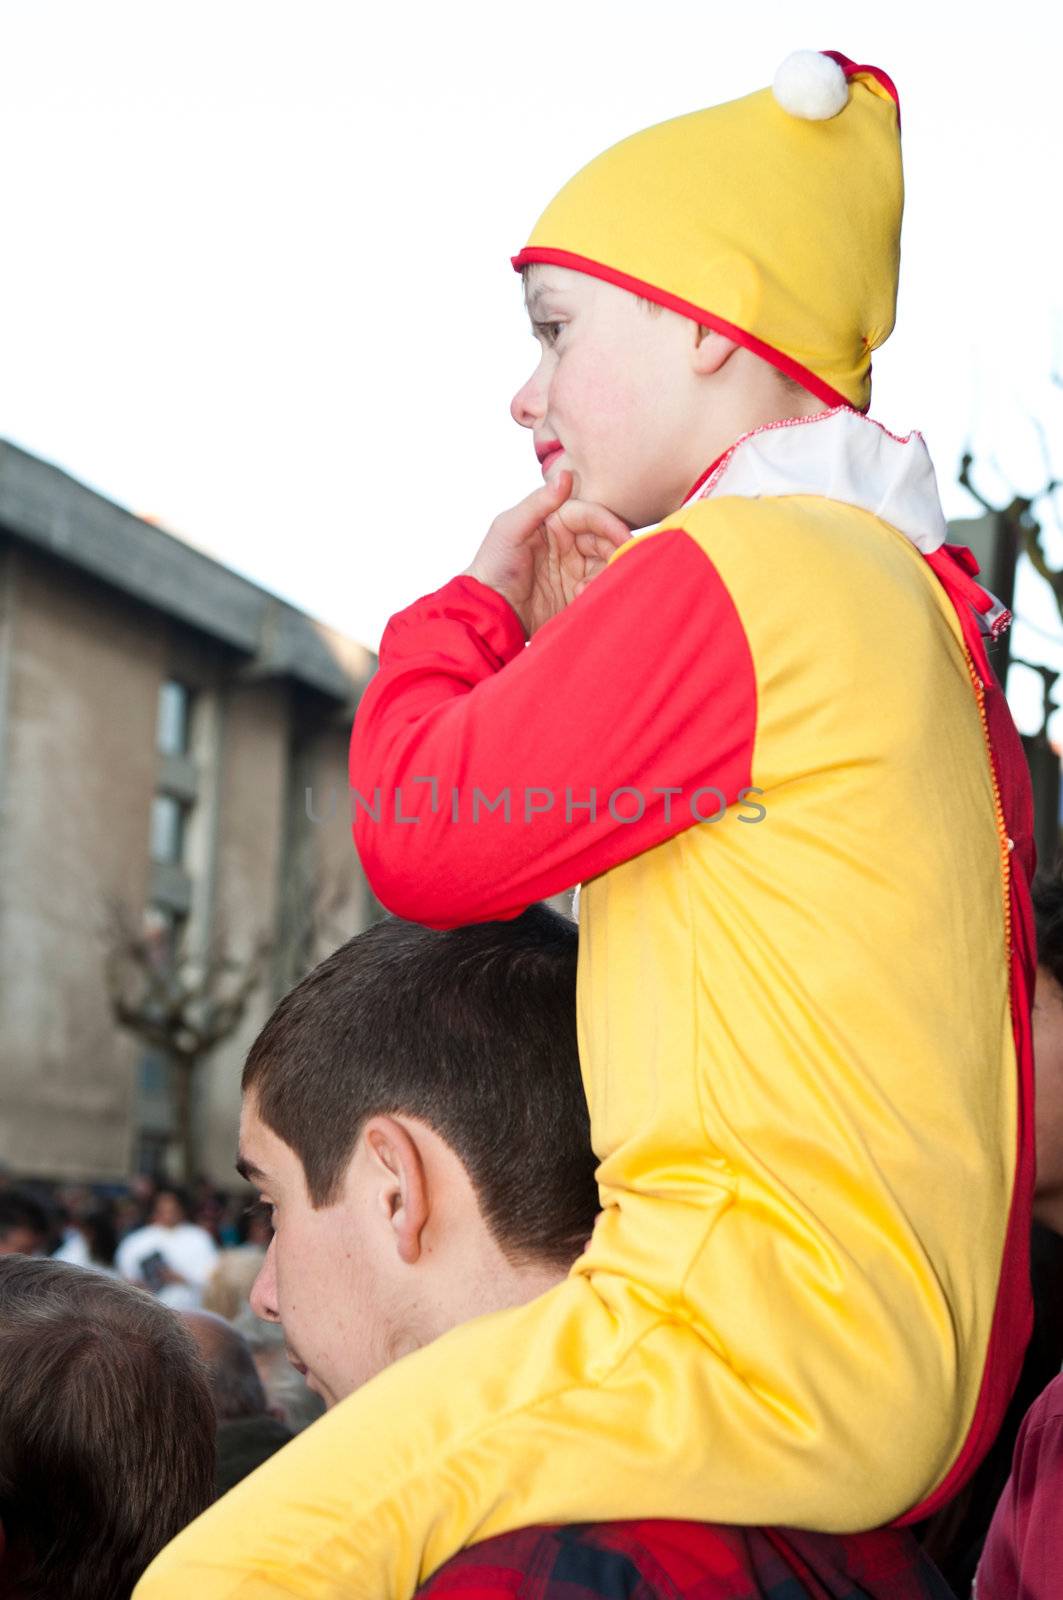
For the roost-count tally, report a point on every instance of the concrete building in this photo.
(163, 725)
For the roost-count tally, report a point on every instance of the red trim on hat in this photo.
(851, 70)
(767, 352)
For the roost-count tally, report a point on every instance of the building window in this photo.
(168, 819)
(172, 727)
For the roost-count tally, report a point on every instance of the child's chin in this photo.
(610, 499)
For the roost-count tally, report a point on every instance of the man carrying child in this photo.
(805, 1043)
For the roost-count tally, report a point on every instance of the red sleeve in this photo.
(486, 774)
(1023, 1552)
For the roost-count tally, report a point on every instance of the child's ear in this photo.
(710, 351)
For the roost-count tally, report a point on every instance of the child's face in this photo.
(615, 391)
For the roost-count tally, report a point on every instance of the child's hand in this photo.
(545, 551)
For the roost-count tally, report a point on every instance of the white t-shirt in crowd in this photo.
(186, 1249)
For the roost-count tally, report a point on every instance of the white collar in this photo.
(838, 455)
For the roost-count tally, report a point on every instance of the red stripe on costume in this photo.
(644, 683)
(623, 280)
(1013, 1314)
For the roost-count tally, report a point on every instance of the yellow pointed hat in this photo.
(774, 219)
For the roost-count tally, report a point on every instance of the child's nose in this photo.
(527, 406)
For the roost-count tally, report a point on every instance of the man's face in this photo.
(613, 388)
(326, 1277)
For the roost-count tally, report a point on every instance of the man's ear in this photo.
(402, 1187)
(711, 350)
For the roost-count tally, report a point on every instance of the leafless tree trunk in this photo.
(180, 1005)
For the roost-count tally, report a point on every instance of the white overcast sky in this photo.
(255, 267)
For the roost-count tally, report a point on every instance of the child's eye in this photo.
(260, 1209)
(548, 332)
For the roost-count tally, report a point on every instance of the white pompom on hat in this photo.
(811, 85)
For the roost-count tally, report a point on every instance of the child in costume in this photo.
(805, 1025)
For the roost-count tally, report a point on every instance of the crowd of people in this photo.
(88, 1223)
(84, 1352)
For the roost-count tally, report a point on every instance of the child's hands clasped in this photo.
(545, 551)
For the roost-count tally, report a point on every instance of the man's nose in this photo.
(263, 1295)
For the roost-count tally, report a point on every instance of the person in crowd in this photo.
(24, 1226)
(133, 1209)
(1023, 1554)
(954, 1538)
(70, 1201)
(90, 1239)
(255, 1230)
(286, 1388)
(106, 1432)
(1048, 1047)
(228, 1289)
(248, 1432)
(171, 1256)
(415, 1120)
(208, 1209)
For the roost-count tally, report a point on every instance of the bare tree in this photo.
(1020, 526)
(181, 1005)
(1020, 532)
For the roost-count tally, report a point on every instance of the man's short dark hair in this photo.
(474, 1032)
(106, 1430)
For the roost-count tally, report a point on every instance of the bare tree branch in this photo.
(964, 480)
(1018, 518)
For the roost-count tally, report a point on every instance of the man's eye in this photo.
(548, 332)
(260, 1210)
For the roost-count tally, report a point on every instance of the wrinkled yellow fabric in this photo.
(784, 1311)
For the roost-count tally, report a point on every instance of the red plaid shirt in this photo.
(688, 1561)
